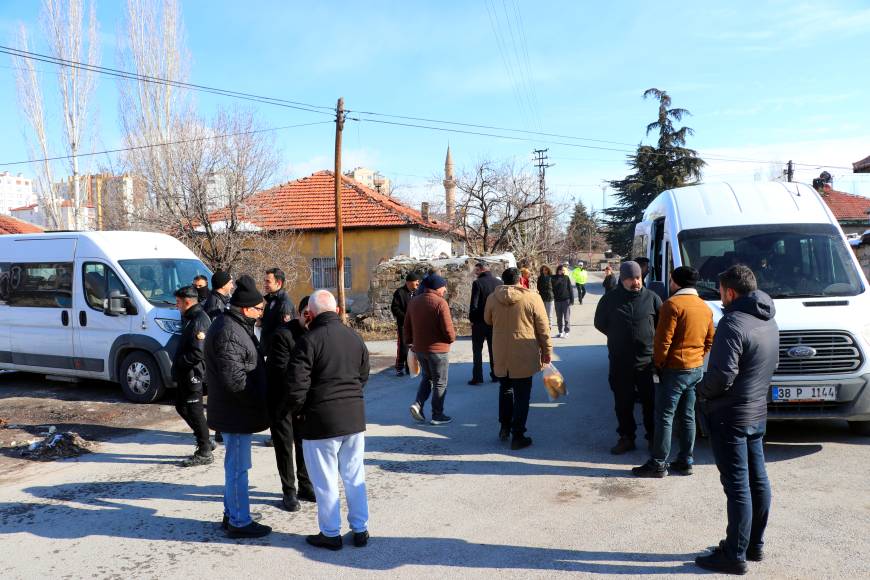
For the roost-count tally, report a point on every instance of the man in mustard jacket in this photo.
(521, 346)
(684, 336)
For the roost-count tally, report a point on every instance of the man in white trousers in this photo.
(328, 371)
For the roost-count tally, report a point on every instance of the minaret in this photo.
(449, 187)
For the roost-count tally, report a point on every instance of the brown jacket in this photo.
(520, 331)
(684, 333)
(428, 324)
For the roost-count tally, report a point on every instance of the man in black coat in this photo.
(398, 307)
(329, 370)
(219, 297)
(628, 316)
(236, 377)
(279, 307)
(286, 437)
(188, 371)
(733, 396)
(481, 288)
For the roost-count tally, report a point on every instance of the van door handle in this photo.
(83, 318)
(64, 318)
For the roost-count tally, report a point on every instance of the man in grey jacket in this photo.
(733, 397)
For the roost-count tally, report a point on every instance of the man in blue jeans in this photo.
(733, 394)
(684, 335)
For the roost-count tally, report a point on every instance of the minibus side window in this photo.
(4, 282)
(98, 281)
(40, 285)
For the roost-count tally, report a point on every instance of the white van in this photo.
(95, 305)
(788, 236)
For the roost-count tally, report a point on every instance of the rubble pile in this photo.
(56, 446)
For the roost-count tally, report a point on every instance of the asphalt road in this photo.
(448, 501)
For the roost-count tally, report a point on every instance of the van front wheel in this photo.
(859, 427)
(140, 378)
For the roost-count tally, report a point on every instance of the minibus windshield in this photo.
(158, 278)
(789, 260)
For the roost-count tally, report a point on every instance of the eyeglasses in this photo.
(259, 308)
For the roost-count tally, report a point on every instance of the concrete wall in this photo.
(422, 244)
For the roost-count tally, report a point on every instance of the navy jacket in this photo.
(188, 367)
(481, 288)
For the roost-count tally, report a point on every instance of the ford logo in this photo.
(801, 352)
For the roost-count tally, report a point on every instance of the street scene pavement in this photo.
(449, 501)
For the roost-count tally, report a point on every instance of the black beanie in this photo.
(246, 294)
(220, 279)
(685, 277)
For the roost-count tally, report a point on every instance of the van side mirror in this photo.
(115, 304)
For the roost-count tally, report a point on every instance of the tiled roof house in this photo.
(852, 211)
(12, 225)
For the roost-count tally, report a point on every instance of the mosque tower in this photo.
(449, 188)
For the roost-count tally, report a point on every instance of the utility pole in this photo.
(542, 165)
(789, 172)
(339, 227)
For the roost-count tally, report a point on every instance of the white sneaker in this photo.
(417, 412)
(560, 335)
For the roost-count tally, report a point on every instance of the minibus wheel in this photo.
(140, 378)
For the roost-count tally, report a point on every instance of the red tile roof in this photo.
(847, 206)
(862, 166)
(309, 204)
(11, 225)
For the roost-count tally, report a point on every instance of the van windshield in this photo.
(789, 261)
(158, 279)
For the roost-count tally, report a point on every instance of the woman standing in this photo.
(545, 289)
(563, 297)
(525, 274)
(609, 279)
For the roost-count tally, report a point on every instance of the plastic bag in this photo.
(554, 382)
(413, 364)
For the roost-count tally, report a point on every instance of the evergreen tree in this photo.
(655, 169)
(582, 226)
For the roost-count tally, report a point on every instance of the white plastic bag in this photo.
(413, 365)
(554, 382)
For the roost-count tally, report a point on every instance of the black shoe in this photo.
(504, 433)
(680, 467)
(520, 442)
(441, 420)
(624, 445)
(753, 553)
(718, 562)
(400, 373)
(493, 378)
(198, 459)
(252, 530)
(306, 494)
(474, 382)
(361, 539)
(649, 469)
(218, 438)
(321, 541)
(290, 503)
(225, 523)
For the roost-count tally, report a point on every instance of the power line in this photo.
(165, 144)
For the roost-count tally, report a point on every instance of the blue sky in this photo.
(764, 80)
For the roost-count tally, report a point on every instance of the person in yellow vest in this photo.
(579, 277)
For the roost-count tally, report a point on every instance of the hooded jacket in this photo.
(561, 285)
(545, 288)
(629, 320)
(744, 356)
(520, 331)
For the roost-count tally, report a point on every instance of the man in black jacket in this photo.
(628, 316)
(329, 370)
(188, 371)
(219, 297)
(733, 395)
(286, 438)
(279, 307)
(236, 376)
(481, 288)
(398, 307)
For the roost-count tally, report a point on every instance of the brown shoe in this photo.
(624, 445)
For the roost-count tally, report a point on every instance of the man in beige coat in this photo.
(520, 347)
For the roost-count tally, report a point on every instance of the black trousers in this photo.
(188, 403)
(480, 332)
(401, 348)
(628, 385)
(581, 292)
(513, 404)
(285, 441)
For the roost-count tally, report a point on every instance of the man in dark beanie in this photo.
(236, 378)
(628, 316)
(398, 307)
(219, 297)
(684, 335)
(429, 333)
(188, 371)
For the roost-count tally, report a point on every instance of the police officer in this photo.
(188, 370)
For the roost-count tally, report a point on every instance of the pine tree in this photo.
(582, 226)
(655, 169)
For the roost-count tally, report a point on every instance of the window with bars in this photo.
(323, 273)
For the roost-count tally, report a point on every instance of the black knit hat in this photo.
(220, 279)
(685, 277)
(246, 294)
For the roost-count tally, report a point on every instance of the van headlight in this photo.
(170, 325)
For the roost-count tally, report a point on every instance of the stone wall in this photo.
(389, 275)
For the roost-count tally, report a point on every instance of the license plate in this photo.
(828, 393)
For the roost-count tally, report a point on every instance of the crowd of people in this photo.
(302, 377)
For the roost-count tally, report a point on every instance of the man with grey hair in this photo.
(329, 370)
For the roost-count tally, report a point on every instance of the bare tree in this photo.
(70, 38)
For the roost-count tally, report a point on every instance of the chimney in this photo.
(424, 210)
